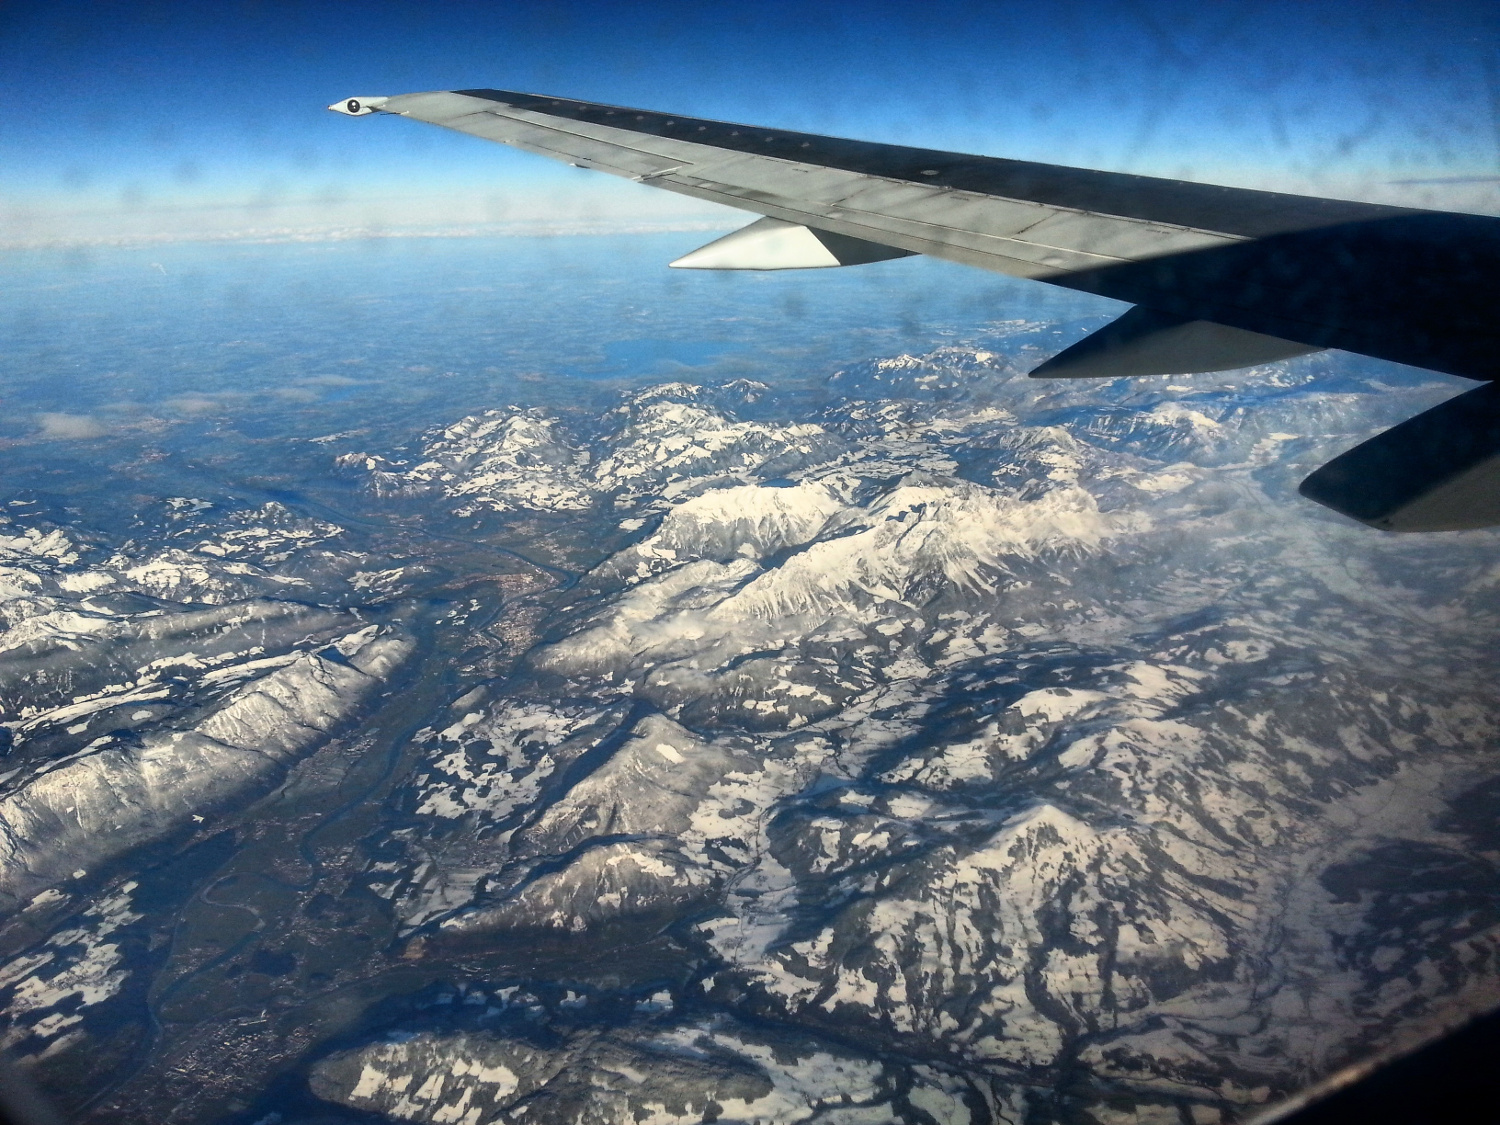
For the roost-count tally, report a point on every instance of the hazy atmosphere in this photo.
(159, 121)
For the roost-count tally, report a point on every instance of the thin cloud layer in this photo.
(194, 403)
(70, 427)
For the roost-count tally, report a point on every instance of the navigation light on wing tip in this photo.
(358, 107)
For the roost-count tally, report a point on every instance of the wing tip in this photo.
(359, 107)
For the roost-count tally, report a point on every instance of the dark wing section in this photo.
(1439, 471)
(1236, 211)
(1451, 1078)
(1417, 288)
(1147, 342)
(1221, 277)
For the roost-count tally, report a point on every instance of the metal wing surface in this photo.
(1223, 277)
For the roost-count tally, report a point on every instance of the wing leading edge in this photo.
(1222, 277)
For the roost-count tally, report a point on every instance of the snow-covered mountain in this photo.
(148, 696)
(1041, 741)
(939, 747)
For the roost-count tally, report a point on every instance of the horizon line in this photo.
(286, 235)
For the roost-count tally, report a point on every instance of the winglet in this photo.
(358, 107)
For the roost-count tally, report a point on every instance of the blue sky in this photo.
(175, 118)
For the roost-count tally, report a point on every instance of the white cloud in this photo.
(193, 403)
(602, 205)
(70, 427)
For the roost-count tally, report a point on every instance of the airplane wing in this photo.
(1221, 277)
